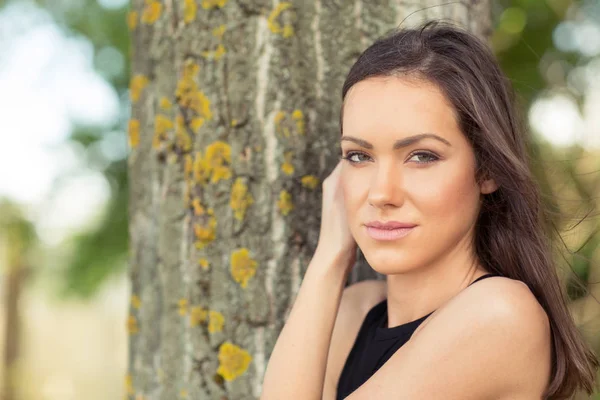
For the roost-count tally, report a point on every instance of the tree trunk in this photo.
(235, 109)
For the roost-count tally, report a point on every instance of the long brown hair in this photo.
(511, 236)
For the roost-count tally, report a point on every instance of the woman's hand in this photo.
(335, 239)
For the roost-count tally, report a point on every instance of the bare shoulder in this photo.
(502, 315)
(357, 299)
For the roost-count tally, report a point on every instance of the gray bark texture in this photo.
(234, 125)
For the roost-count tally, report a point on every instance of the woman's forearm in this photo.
(296, 369)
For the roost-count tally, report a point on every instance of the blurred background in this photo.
(64, 75)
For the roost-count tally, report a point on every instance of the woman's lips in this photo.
(387, 234)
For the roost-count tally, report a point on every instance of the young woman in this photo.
(435, 189)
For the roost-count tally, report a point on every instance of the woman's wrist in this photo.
(333, 262)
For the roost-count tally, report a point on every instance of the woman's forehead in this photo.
(397, 104)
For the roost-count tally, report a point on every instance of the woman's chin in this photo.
(388, 262)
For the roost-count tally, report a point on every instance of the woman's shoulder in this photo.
(501, 315)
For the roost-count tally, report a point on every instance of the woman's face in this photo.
(407, 162)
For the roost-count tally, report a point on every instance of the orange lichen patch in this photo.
(135, 302)
(218, 158)
(310, 181)
(189, 10)
(215, 54)
(233, 361)
(134, 133)
(165, 103)
(243, 267)
(219, 31)
(197, 316)
(275, 27)
(208, 4)
(203, 262)
(132, 19)
(205, 233)
(183, 306)
(215, 321)
(285, 202)
(298, 118)
(132, 325)
(240, 199)
(152, 11)
(287, 166)
(137, 84)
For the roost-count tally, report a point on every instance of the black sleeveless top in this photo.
(375, 344)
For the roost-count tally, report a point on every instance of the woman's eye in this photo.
(424, 157)
(356, 158)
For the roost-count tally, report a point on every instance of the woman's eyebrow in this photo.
(407, 141)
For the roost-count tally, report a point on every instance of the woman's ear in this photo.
(488, 186)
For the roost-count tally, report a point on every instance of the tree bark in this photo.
(234, 125)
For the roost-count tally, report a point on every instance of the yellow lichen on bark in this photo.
(197, 206)
(215, 321)
(183, 306)
(298, 117)
(132, 325)
(183, 394)
(285, 202)
(197, 315)
(134, 133)
(162, 124)
(208, 4)
(132, 20)
(188, 93)
(233, 361)
(215, 54)
(287, 166)
(218, 159)
(189, 10)
(207, 231)
(240, 199)
(284, 30)
(243, 267)
(183, 139)
(152, 11)
(136, 85)
(135, 302)
(201, 169)
(203, 262)
(310, 181)
(219, 31)
(129, 391)
(165, 103)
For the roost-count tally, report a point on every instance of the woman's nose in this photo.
(386, 187)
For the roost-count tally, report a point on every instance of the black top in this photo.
(375, 344)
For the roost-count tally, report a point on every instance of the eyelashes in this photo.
(353, 157)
